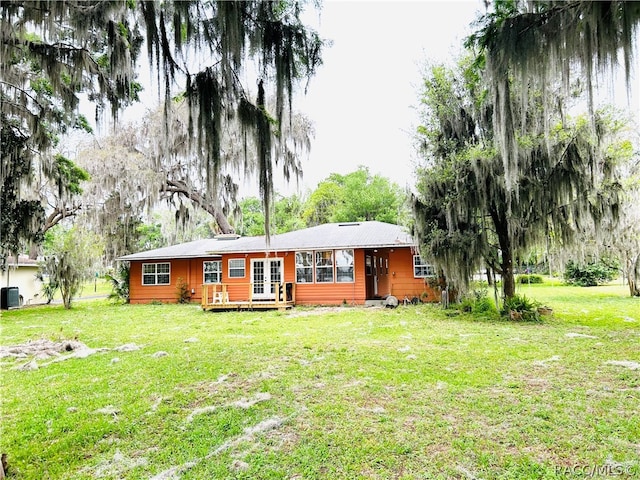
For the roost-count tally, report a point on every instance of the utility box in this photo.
(9, 297)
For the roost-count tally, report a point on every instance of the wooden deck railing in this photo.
(217, 295)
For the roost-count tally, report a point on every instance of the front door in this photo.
(371, 274)
(266, 273)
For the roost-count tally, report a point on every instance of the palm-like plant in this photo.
(120, 283)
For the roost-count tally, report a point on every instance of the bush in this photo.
(520, 307)
(528, 278)
(590, 274)
(478, 303)
(119, 284)
(183, 292)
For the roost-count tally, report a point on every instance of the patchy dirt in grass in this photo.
(243, 403)
(315, 311)
(117, 466)
(545, 363)
(48, 351)
(109, 410)
(247, 435)
(578, 335)
(625, 363)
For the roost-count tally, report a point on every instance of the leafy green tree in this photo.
(322, 202)
(67, 181)
(538, 44)
(149, 236)
(20, 216)
(71, 257)
(287, 216)
(252, 221)
(621, 238)
(368, 197)
(49, 52)
(356, 196)
(466, 213)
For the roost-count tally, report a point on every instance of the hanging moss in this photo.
(467, 213)
(537, 43)
(197, 48)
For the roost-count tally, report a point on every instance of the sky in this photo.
(362, 99)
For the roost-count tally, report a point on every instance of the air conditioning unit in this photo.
(9, 297)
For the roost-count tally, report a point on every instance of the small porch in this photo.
(248, 296)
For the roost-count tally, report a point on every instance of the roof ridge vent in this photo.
(227, 236)
(349, 224)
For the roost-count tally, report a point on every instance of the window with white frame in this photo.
(304, 267)
(324, 266)
(344, 266)
(421, 269)
(156, 273)
(236, 268)
(212, 271)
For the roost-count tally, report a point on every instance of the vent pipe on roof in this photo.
(227, 236)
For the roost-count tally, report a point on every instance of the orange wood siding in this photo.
(402, 281)
(190, 270)
(397, 279)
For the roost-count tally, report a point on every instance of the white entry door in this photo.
(265, 274)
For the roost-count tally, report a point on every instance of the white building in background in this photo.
(24, 276)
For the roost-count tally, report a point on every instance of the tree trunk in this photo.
(508, 278)
(489, 277)
(504, 240)
(633, 276)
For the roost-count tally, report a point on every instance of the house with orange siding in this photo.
(331, 264)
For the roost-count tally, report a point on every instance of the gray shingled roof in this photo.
(197, 248)
(327, 236)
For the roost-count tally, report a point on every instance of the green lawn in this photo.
(414, 392)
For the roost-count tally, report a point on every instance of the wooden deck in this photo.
(216, 296)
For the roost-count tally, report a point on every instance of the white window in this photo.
(422, 269)
(304, 267)
(236, 268)
(212, 271)
(344, 266)
(156, 273)
(324, 266)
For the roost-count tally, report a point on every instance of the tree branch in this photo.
(181, 188)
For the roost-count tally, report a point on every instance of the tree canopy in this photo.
(541, 43)
(467, 216)
(505, 164)
(211, 53)
(352, 197)
(356, 196)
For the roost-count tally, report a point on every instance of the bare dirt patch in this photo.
(49, 351)
(42, 349)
